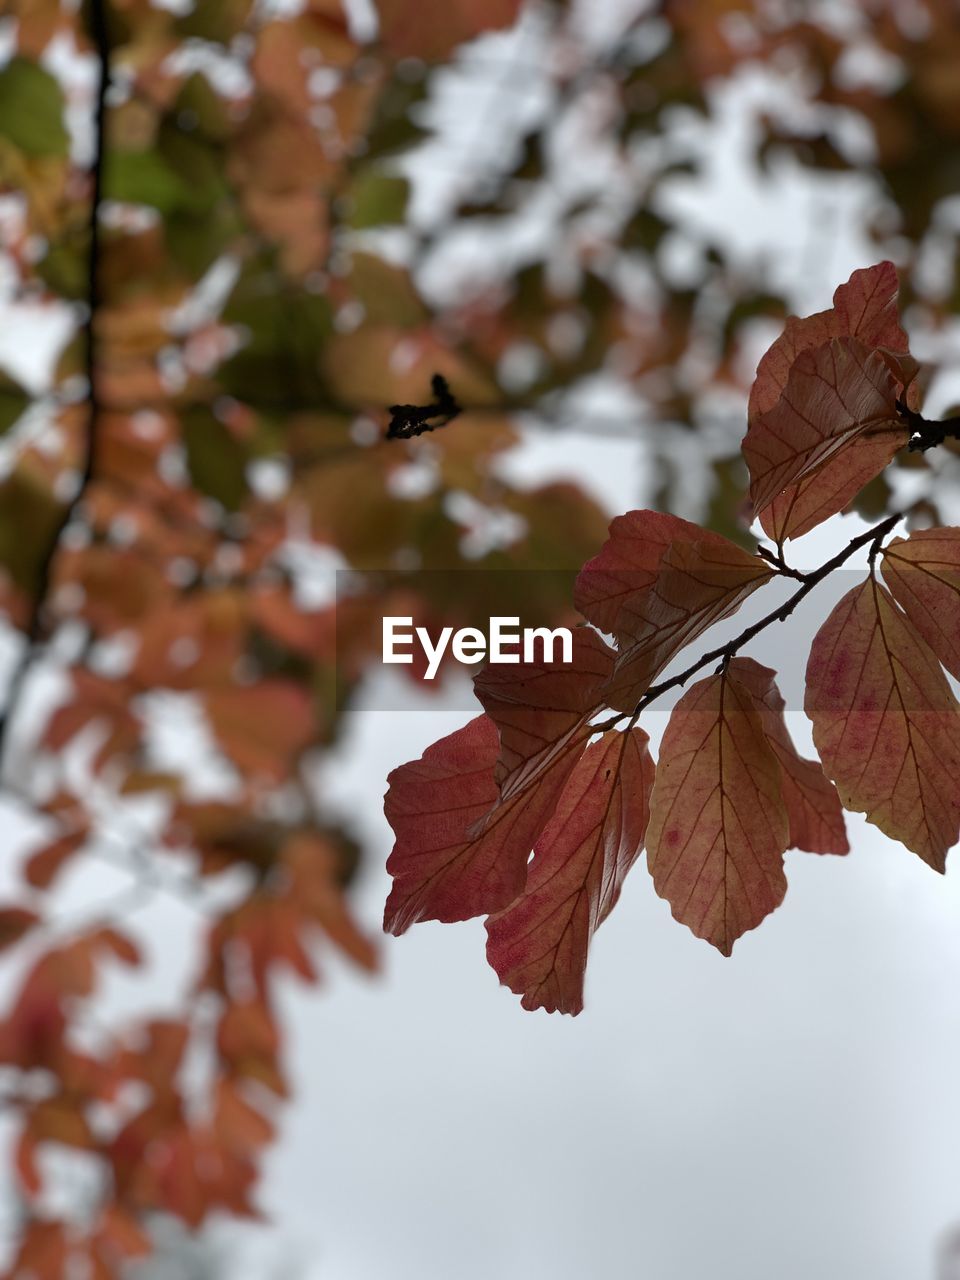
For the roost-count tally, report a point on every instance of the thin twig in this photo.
(725, 652)
(35, 621)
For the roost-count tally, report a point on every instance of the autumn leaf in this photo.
(718, 823)
(627, 564)
(460, 850)
(697, 584)
(538, 945)
(540, 708)
(834, 393)
(43, 865)
(831, 487)
(433, 28)
(813, 806)
(923, 575)
(864, 308)
(885, 722)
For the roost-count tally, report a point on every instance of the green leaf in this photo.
(29, 514)
(31, 109)
(144, 177)
(378, 198)
(284, 330)
(216, 459)
(386, 291)
(13, 401)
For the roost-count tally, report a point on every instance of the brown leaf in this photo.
(718, 824)
(886, 723)
(923, 574)
(813, 806)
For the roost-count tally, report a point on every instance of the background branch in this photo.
(35, 621)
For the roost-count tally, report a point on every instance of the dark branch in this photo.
(872, 538)
(408, 420)
(924, 433)
(35, 621)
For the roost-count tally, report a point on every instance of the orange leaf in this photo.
(886, 723)
(538, 945)
(923, 574)
(311, 864)
(718, 824)
(262, 727)
(237, 1123)
(43, 865)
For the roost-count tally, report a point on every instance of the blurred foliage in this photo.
(272, 279)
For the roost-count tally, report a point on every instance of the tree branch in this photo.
(927, 434)
(723, 654)
(35, 621)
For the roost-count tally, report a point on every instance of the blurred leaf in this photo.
(31, 109)
(14, 400)
(216, 459)
(378, 198)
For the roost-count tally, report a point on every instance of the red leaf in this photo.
(627, 563)
(541, 709)
(697, 584)
(813, 806)
(923, 573)
(311, 864)
(718, 824)
(834, 393)
(456, 856)
(538, 945)
(832, 487)
(885, 722)
(864, 308)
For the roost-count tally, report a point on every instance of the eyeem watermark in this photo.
(506, 643)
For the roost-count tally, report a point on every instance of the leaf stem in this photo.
(35, 620)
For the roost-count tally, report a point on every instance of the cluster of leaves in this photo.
(225, 409)
(545, 768)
